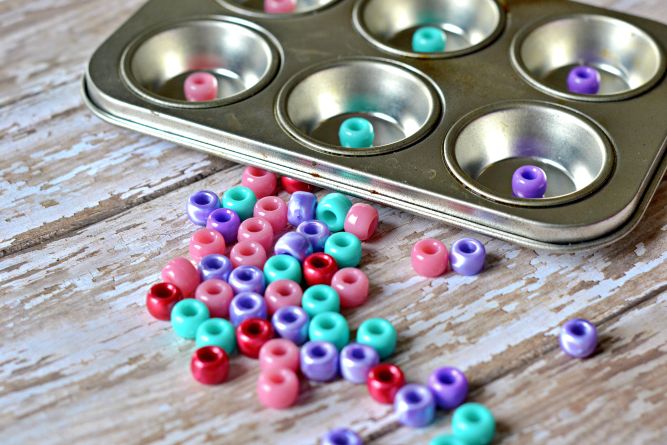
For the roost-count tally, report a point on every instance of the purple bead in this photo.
(200, 205)
(467, 256)
(247, 279)
(341, 436)
(583, 80)
(246, 305)
(293, 244)
(356, 360)
(291, 322)
(316, 232)
(449, 387)
(578, 338)
(301, 207)
(414, 405)
(319, 361)
(215, 266)
(530, 182)
(225, 221)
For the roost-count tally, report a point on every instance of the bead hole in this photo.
(467, 247)
(430, 249)
(349, 279)
(319, 263)
(163, 291)
(254, 329)
(446, 378)
(472, 417)
(279, 351)
(375, 329)
(413, 397)
(311, 229)
(248, 250)
(222, 217)
(358, 354)
(208, 355)
(213, 263)
(528, 175)
(245, 275)
(204, 237)
(256, 172)
(339, 439)
(328, 217)
(318, 352)
(342, 241)
(276, 378)
(385, 375)
(578, 329)
(288, 317)
(246, 303)
(238, 195)
(327, 323)
(202, 199)
(213, 289)
(269, 206)
(281, 265)
(189, 311)
(213, 329)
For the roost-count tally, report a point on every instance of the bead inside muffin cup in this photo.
(276, 8)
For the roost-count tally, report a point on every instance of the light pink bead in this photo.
(248, 253)
(279, 353)
(278, 388)
(352, 286)
(279, 6)
(282, 293)
(216, 295)
(200, 87)
(257, 229)
(181, 273)
(206, 242)
(260, 181)
(274, 210)
(429, 258)
(361, 220)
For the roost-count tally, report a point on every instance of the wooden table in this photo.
(90, 213)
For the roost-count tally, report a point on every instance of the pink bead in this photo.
(274, 210)
(282, 293)
(429, 258)
(279, 353)
(259, 230)
(361, 220)
(278, 388)
(248, 253)
(260, 181)
(206, 242)
(279, 6)
(352, 287)
(216, 295)
(181, 273)
(200, 87)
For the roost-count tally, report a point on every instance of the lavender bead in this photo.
(529, 182)
(246, 305)
(319, 361)
(584, 80)
(225, 221)
(293, 244)
(215, 266)
(467, 256)
(449, 387)
(341, 436)
(356, 360)
(578, 338)
(200, 205)
(414, 405)
(291, 322)
(316, 232)
(301, 207)
(247, 279)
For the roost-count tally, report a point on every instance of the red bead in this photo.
(210, 365)
(292, 185)
(384, 381)
(161, 298)
(319, 268)
(251, 335)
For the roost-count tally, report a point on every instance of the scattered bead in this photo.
(468, 256)
(384, 381)
(352, 287)
(414, 405)
(279, 6)
(379, 334)
(251, 336)
(282, 267)
(319, 268)
(187, 315)
(240, 199)
(181, 273)
(291, 322)
(301, 207)
(446, 440)
(361, 221)
(200, 87)
(356, 361)
(332, 210)
(279, 353)
(215, 267)
(226, 222)
(316, 232)
(200, 205)
(278, 388)
(429, 39)
(319, 361)
(247, 279)
(210, 365)
(474, 424)
(341, 436)
(293, 244)
(292, 185)
(356, 132)
(217, 332)
(282, 293)
(274, 210)
(161, 299)
(584, 80)
(247, 305)
(345, 248)
(578, 338)
(320, 298)
(261, 182)
(529, 182)
(330, 327)
(258, 230)
(429, 258)
(248, 253)
(216, 295)
(449, 387)
(206, 242)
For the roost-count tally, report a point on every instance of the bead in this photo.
(240, 199)
(584, 80)
(246, 305)
(529, 182)
(449, 387)
(247, 279)
(200, 205)
(293, 244)
(467, 256)
(429, 39)
(200, 87)
(279, 6)
(187, 315)
(278, 388)
(274, 210)
(226, 222)
(320, 298)
(319, 361)
(301, 207)
(206, 242)
(282, 267)
(345, 248)
(319, 268)
(282, 293)
(248, 253)
(216, 295)
(258, 230)
(181, 273)
(384, 381)
(261, 182)
(379, 334)
(291, 322)
(446, 440)
(578, 338)
(251, 336)
(341, 436)
(361, 221)
(161, 299)
(332, 210)
(215, 266)
(331, 327)
(474, 424)
(210, 365)
(279, 353)
(292, 185)
(352, 287)
(356, 361)
(316, 232)
(356, 132)
(414, 405)
(429, 258)
(217, 332)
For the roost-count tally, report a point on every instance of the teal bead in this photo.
(474, 424)
(331, 327)
(332, 210)
(187, 315)
(217, 332)
(240, 199)
(429, 39)
(282, 267)
(446, 440)
(320, 298)
(345, 248)
(356, 132)
(379, 334)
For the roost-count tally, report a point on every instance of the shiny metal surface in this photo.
(256, 7)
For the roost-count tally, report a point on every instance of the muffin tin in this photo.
(451, 127)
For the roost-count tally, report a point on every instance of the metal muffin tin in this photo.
(451, 127)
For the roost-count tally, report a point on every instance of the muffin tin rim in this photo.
(238, 9)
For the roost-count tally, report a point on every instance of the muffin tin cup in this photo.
(255, 8)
